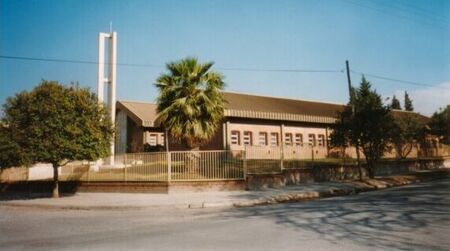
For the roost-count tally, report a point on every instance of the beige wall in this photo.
(280, 129)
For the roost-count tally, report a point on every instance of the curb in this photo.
(356, 188)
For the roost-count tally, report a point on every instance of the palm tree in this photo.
(190, 102)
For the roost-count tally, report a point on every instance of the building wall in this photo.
(264, 138)
(216, 142)
(135, 137)
(121, 133)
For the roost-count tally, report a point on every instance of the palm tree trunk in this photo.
(55, 193)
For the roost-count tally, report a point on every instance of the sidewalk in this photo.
(123, 201)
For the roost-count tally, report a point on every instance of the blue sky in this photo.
(407, 40)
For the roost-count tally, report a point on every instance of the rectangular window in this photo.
(161, 139)
(321, 140)
(312, 139)
(262, 139)
(247, 138)
(299, 139)
(153, 140)
(274, 139)
(288, 139)
(235, 138)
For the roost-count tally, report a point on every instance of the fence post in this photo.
(125, 167)
(88, 172)
(169, 166)
(245, 163)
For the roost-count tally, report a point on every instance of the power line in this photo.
(418, 12)
(75, 61)
(398, 80)
(162, 66)
(388, 11)
(227, 69)
(425, 11)
(277, 70)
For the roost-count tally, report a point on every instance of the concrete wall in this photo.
(334, 173)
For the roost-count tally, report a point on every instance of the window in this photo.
(235, 138)
(162, 140)
(274, 139)
(153, 139)
(288, 139)
(262, 139)
(247, 139)
(312, 139)
(299, 139)
(321, 140)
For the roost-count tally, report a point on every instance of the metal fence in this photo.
(273, 159)
(207, 165)
(162, 166)
(203, 165)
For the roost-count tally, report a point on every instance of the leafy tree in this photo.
(440, 124)
(365, 122)
(10, 152)
(408, 103)
(406, 132)
(395, 103)
(55, 124)
(190, 102)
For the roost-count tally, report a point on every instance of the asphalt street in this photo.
(415, 217)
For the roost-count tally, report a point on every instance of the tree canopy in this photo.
(55, 124)
(395, 104)
(440, 124)
(407, 132)
(190, 103)
(408, 103)
(365, 122)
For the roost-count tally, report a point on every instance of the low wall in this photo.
(335, 173)
(200, 186)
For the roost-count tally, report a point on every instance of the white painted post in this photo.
(112, 86)
(245, 163)
(101, 67)
(282, 147)
(125, 167)
(169, 167)
(111, 80)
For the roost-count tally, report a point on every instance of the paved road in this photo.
(416, 217)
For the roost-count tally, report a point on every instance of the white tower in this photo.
(111, 40)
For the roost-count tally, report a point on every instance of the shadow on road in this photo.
(395, 218)
(35, 189)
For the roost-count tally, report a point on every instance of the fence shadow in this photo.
(380, 220)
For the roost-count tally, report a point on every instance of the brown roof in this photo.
(141, 113)
(240, 101)
(250, 106)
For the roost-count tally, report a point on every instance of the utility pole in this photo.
(352, 103)
(349, 81)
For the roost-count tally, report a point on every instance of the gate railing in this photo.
(163, 166)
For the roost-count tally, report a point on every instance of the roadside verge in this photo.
(217, 199)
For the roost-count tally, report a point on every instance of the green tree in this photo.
(190, 103)
(406, 132)
(395, 104)
(440, 124)
(408, 103)
(365, 122)
(55, 124)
